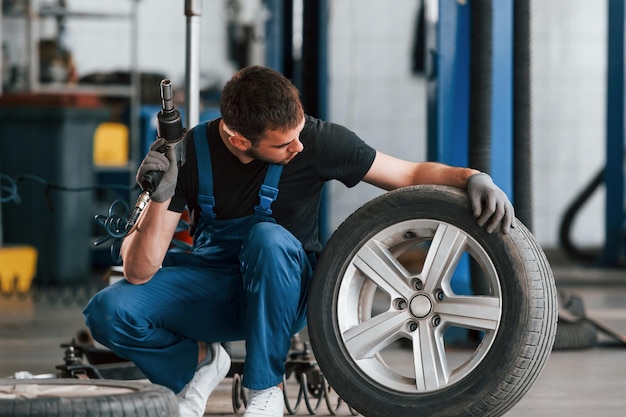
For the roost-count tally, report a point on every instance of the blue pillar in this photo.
(448, 65)
(614, 171)
(447, 69)
(502, 97)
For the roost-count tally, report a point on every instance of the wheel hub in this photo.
(420, 306)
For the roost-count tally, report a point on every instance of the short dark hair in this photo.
(257, 99)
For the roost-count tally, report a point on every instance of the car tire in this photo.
(84, 398)
(368, 302)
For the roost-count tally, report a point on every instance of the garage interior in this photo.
(531, 92)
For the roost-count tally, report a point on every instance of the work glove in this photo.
(490, 205)
(165, 162)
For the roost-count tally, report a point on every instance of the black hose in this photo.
(522, 146)
(568, 220)
(481, 34)
(479, 140)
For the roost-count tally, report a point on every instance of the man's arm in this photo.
(388, 172)
(490, 205)
(144, 249)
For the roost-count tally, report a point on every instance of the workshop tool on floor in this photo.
(170, 128)
(577, 329)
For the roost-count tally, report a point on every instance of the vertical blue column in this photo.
(448, 82)
(502, 96)
(449, 57)
(614, 171)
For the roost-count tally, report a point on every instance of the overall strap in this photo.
(269, 190)
(206, 200)
(267, 193)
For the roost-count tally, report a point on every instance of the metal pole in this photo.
(32, 34)
(193, 11)
(136, 153)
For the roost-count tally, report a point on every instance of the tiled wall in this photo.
(568, 114)
(373, 92)
(372, 89)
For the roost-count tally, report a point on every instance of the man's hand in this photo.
(165, 162)
(490, 204)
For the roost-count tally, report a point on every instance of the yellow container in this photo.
(18, 264)
(110, 146)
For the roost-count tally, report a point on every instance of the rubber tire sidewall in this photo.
(144, 399)
(524, 338)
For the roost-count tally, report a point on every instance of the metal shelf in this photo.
(56, 11)
(32, 14)
(103, 91)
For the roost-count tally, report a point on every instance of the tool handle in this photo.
(151, 180)
(169, 127)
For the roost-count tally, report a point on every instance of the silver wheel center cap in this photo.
(420, 306)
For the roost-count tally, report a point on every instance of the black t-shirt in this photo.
(330, 152)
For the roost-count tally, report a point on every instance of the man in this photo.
(252, 182)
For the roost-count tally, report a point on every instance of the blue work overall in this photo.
(245, 279)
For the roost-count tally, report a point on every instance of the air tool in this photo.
(169, 128)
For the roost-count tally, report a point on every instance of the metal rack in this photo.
(33, 12)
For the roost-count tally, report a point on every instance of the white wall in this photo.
(568, 114)
(372, 90)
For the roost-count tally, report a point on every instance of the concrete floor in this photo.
(590, 382)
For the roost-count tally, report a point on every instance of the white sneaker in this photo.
(192, 399)
(265, 403)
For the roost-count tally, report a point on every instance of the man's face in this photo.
(277, 146)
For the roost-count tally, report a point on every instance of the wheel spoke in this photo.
(445, 251)
(471, 312)
(368, 338)
(378, 264)
(429, 357)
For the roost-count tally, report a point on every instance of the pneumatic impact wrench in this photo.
(170, 128)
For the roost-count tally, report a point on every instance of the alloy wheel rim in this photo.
(384, 300)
